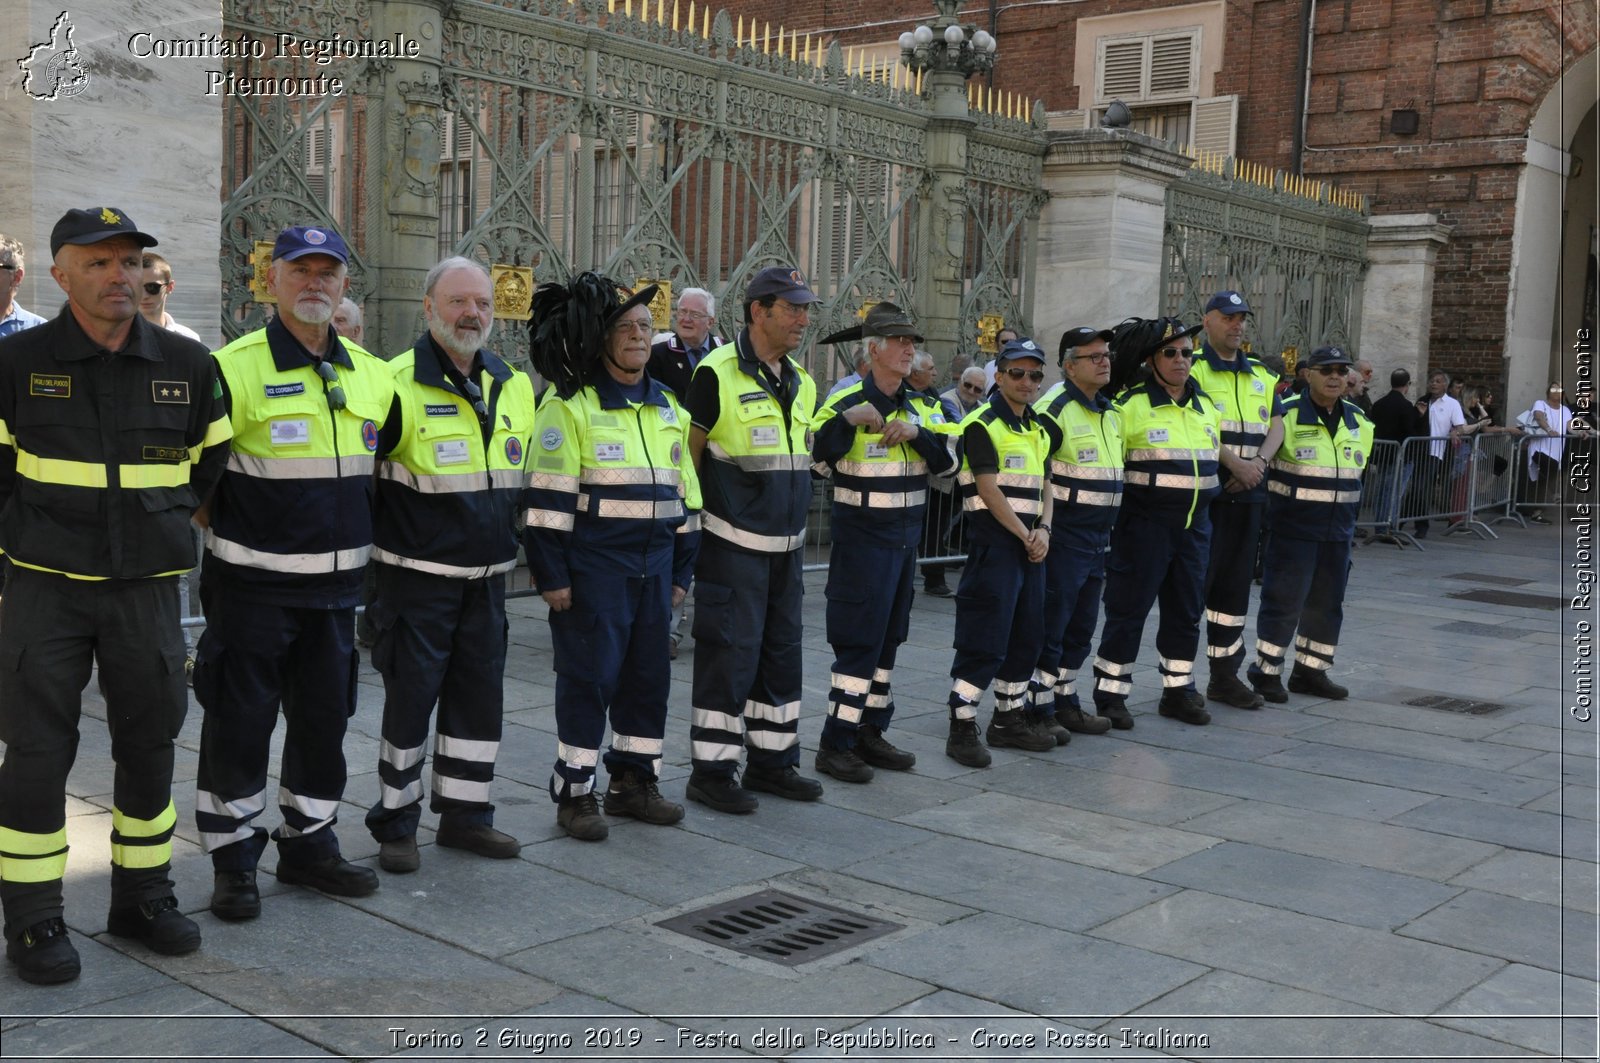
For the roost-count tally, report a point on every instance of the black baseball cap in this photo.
(1328, 356)
(1077, 337)
(1021, 348)
(90, 225)
(786, 282)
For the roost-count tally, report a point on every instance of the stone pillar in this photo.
(100, 122)
(1397, 297)
(1100, 238)
(406, 116)
(945, 216)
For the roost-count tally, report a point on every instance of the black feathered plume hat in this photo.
(1135, 340)
(569, 323)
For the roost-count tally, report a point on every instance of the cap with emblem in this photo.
(884, 319)
(297, 241)
(786, 282)
(1328, 356)
(1020, 348)
(93, 224)
(1228, 303)
(1077, 337)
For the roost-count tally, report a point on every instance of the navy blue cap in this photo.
(93, 224)
(1022, 348)
(297, 241)
(1228, 303)
(1077, 337)
(786, 282)
(1328, 356)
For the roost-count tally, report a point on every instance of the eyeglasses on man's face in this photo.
(1098, 359)
(692, 316)
(1035, 375)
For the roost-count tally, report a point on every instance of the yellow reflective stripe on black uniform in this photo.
(28, 857)
(145, 843)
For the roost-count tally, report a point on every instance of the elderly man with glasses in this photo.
(450, 478)
(1170, 436)
(288, 540)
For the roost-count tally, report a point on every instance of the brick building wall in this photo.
(1475, 70)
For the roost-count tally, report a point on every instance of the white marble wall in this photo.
(1397, 303)
(142, 136)
(1100, 235)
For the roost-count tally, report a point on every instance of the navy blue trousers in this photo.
(869, 615)
(1302, 596)
(998, 633)
(1073, 581)
(1235, 534)
(612, 663)
(437, 639)
(1151, 563)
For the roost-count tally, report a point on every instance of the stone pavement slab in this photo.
(1540, 935)
(1428, 776)
(1514, 828)
(1082, 837)
(1020, 965)
(1302, 951)
(1356, 842)
(1531, 1007)
(1535, 877)
(1444, 749)
(1075, 786)
(1306, 884)
(1056, 893)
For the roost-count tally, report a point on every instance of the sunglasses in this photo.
(475, 396)
(1331, 370)
(153, 288)
(1176, 352)
(1035, 375)
(971, 387)
(8, 267)
(330, 377)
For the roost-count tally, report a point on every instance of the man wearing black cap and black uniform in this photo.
(1163, 534)
(751, 407)
(1312, 501)
(111, 430)
(1006, 497)
(1086, 485)
(288, 540)
(1252, 427)
(879, 440)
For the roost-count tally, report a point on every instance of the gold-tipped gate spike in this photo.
(705, 21)
(675, 15)
(766, 40)
(919, 83)
(661, 11)
(738, 29)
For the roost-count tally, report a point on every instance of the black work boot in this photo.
(1077, 721)
(846, 765)
(1013, 729)
(720, 792)
(1269, 687)
(235, 896)
(964, 746)
(43, 954)
(1116, 710)
(1186, 704)
(1049, 725)
(880, 752)
(1227, 688)
(786, 782)
(633, 793)
(1315, 681)
(580, 817)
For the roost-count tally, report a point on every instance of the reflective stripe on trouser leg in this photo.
(995, 586)
(737, 595)
(1182, 601)
(869, 603)
(1285, 582)
(1322, 617)
(1235, 534)
(611, 665)
(1141, 552)
(28, 857)
(411, 618)
(772, 707)
(142, 844)
(1066, 569)
(1079, 634)
(241, 675)
(471, 706)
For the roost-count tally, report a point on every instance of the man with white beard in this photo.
(288, 536)
(450, 473)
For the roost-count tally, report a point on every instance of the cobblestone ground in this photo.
(1322, 879)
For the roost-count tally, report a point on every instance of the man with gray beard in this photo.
(450, 472)
(288, 536)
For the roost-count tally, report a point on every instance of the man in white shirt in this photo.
(1554, 421)
(153, 298)
(1445, 421)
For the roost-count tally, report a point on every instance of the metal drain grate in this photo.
(780, 927)
(1484, 577)
(1521, 601)
(1462, 705)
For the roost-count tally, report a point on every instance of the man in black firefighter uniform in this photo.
(450, 477)
(751, 406)
(879, 440)
(110, 431)
(288, 539)
(1244, 392)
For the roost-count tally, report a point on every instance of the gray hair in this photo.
(348, 305)
(920, 361)
(974, 370)
(454, 262)
(711, 300)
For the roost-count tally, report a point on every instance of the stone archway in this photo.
(1539, 312)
